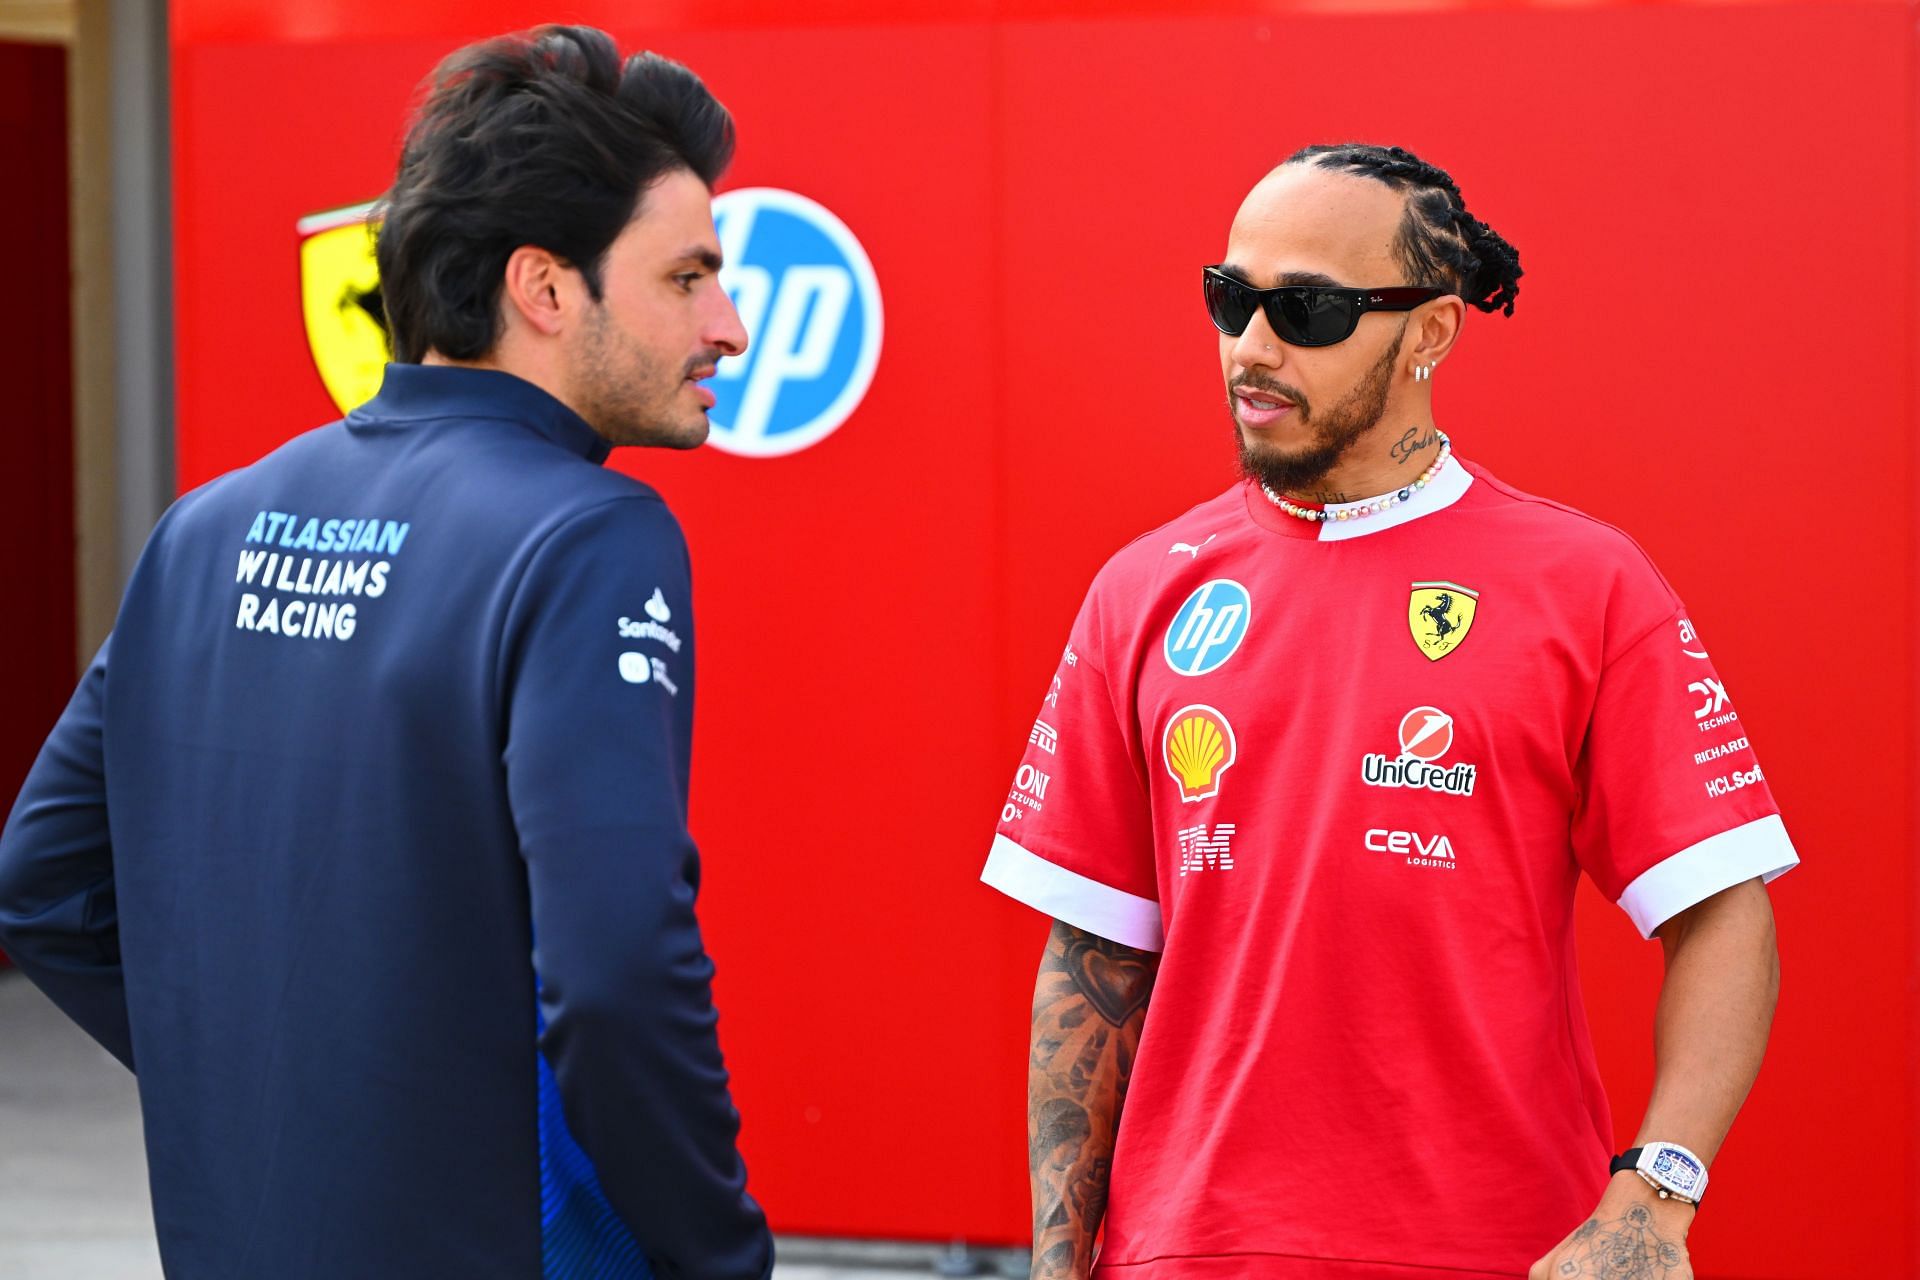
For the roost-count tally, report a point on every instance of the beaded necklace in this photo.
(1384, 502)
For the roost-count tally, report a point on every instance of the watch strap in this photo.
(1626, 1160)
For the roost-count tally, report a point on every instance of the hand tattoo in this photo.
(1089, 1006)
(1628, 1248)
(1413, 442)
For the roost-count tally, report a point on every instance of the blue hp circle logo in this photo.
(1209, 627)
(811, 306)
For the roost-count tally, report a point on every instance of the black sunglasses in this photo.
(1303, 315)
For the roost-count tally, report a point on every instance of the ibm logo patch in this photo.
(1204, 851)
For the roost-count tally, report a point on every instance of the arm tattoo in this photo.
(1628, 1248)
(1089, 1006)
(1412, 443)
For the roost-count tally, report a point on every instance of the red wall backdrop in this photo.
(1715, 347)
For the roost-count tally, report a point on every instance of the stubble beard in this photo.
(1335, 432)
(632, 397)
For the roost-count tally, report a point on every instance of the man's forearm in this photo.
(1716, 1009)
(1089, 1005)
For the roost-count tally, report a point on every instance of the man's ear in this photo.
(1436, 327)
(539, 288)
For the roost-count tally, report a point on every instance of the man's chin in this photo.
(693, 435)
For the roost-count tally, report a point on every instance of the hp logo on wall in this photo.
(811, 305)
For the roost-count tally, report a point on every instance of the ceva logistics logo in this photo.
(811, 306)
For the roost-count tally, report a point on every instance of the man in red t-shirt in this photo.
(1308, 798)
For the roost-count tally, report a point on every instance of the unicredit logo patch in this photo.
(1426, 734)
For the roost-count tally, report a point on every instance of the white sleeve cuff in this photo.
(1065, 895)
(1759, 848)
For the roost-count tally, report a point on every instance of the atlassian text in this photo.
(286, 529)
(1378, 771)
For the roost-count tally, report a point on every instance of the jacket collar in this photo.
(419, 392)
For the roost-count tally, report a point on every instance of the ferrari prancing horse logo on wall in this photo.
(1439, 614)
(340, 297)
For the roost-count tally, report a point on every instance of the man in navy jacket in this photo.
(383, 772)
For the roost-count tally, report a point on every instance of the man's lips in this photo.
(1261, 408)
(698, 375)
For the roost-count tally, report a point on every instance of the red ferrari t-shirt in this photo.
(1344, 777)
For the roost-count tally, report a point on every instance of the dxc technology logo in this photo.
(811, 305)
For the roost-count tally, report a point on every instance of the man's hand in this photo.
(1633, 1235)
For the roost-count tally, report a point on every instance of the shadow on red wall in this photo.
(36, 447)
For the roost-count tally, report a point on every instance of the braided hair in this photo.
(1440, 244)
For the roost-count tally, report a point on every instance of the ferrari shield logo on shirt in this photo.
(810, 302)
(340, 298)
(1198, 747)
(1440, 614)
(1208, 628)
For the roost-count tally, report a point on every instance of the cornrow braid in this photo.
(1441, 244)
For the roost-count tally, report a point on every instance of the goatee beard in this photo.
(1335, 433)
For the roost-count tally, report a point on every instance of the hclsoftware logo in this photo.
(811, 306)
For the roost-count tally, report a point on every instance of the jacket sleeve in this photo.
(58, 917)
(598, 696)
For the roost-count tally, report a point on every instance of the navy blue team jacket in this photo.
(380, 782)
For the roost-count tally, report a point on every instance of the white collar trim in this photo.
(1441, 492)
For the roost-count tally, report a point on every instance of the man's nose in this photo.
(724, 330)
(1257, 347)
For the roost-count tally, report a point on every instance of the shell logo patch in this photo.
(340, 298)
(1439, 615)
(1198, 747)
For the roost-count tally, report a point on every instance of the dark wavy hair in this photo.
(1440, 244)
(544, 137)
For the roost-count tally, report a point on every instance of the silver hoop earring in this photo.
(1422, 372)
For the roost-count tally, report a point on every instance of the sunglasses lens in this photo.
(1229, 304)
(1310, 317)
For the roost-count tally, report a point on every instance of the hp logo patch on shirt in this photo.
(807, 295)
(1209, 627)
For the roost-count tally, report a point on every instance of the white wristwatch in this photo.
(1668, 1168)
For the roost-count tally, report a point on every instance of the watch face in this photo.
(1677, 1170)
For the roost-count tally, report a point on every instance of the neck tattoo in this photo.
(1384, 502)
